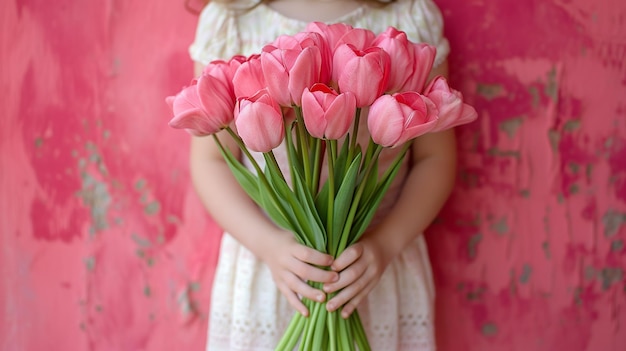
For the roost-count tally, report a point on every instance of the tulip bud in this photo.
(363, 73)
(327, 114)
(452, 110)
(395, 119)
(401, 56)
(259, 122)
(203, 108)
(249, 79)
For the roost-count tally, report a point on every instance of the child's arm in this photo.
(428, 185)
(290, 263)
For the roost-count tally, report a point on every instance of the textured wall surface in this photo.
(104, 245)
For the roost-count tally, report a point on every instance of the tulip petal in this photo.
(385, 121)
(260, 127)
(195, 122)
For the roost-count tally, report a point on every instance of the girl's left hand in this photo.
(360, 267)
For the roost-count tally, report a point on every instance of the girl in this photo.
(262, 270)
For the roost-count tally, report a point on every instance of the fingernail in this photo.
(326, 288)
(330, 307)
(321, 297)
(345, 314)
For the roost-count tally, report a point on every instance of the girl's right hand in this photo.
(292, 265)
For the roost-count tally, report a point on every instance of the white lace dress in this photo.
(248, 312)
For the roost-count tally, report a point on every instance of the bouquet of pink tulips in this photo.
(308, 91)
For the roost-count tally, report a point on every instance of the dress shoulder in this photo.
(422, 20)
(216, 32)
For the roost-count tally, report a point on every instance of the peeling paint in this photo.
(613, 221)
(489, 91)
(472, 245)
(500, 226)
(511, 126)
(489, 329)
(610, 276)
(526, 273)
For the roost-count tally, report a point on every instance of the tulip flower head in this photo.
(296, 63)
(326, 114)
(452, 110)
(363, 73)
(204, 107)
(259, 122)
(248, 79)
(401, 55)
(396, 119)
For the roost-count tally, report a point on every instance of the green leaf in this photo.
(307, 215)
(290, 202)
(282, 218)
(247, 179)
(341, 162)
(345, 196)
(369, 208)
(321, 202)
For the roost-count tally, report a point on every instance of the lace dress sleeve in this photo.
(216, 34)
(423, 21)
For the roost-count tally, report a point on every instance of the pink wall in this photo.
(105, 246)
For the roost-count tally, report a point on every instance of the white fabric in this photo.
(248, 312)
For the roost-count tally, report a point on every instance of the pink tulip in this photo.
(395, 119)
(315, 39)
(327, 114)
(364, 73)
(452, 110)
(203, 108)
(339, 33)
(248, 79)
(423, 57)
(259, 122)
(224, 70)
(401, 56)
(300, 62)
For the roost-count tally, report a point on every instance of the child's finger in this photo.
(305, 290)
(349, 256)
(311, 256)
(347, 294)
(307, 272)
(346, 277)
(349, 307)
(293, 300)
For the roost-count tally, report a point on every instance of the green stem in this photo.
(292, 334)
(332, 330)
(331, 245)
(355, 204)
(303, 145)
(317, 164)
(355, 132)
(260, 174)
(359, 333)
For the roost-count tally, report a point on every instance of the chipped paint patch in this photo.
(472, 245)
(500, 226)
(489, 91)
(512, 125)
(610, 276)
(489, 329)
(551, 88)
(613, 221)
(617, 245)
(94, 192)
(526, 273)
